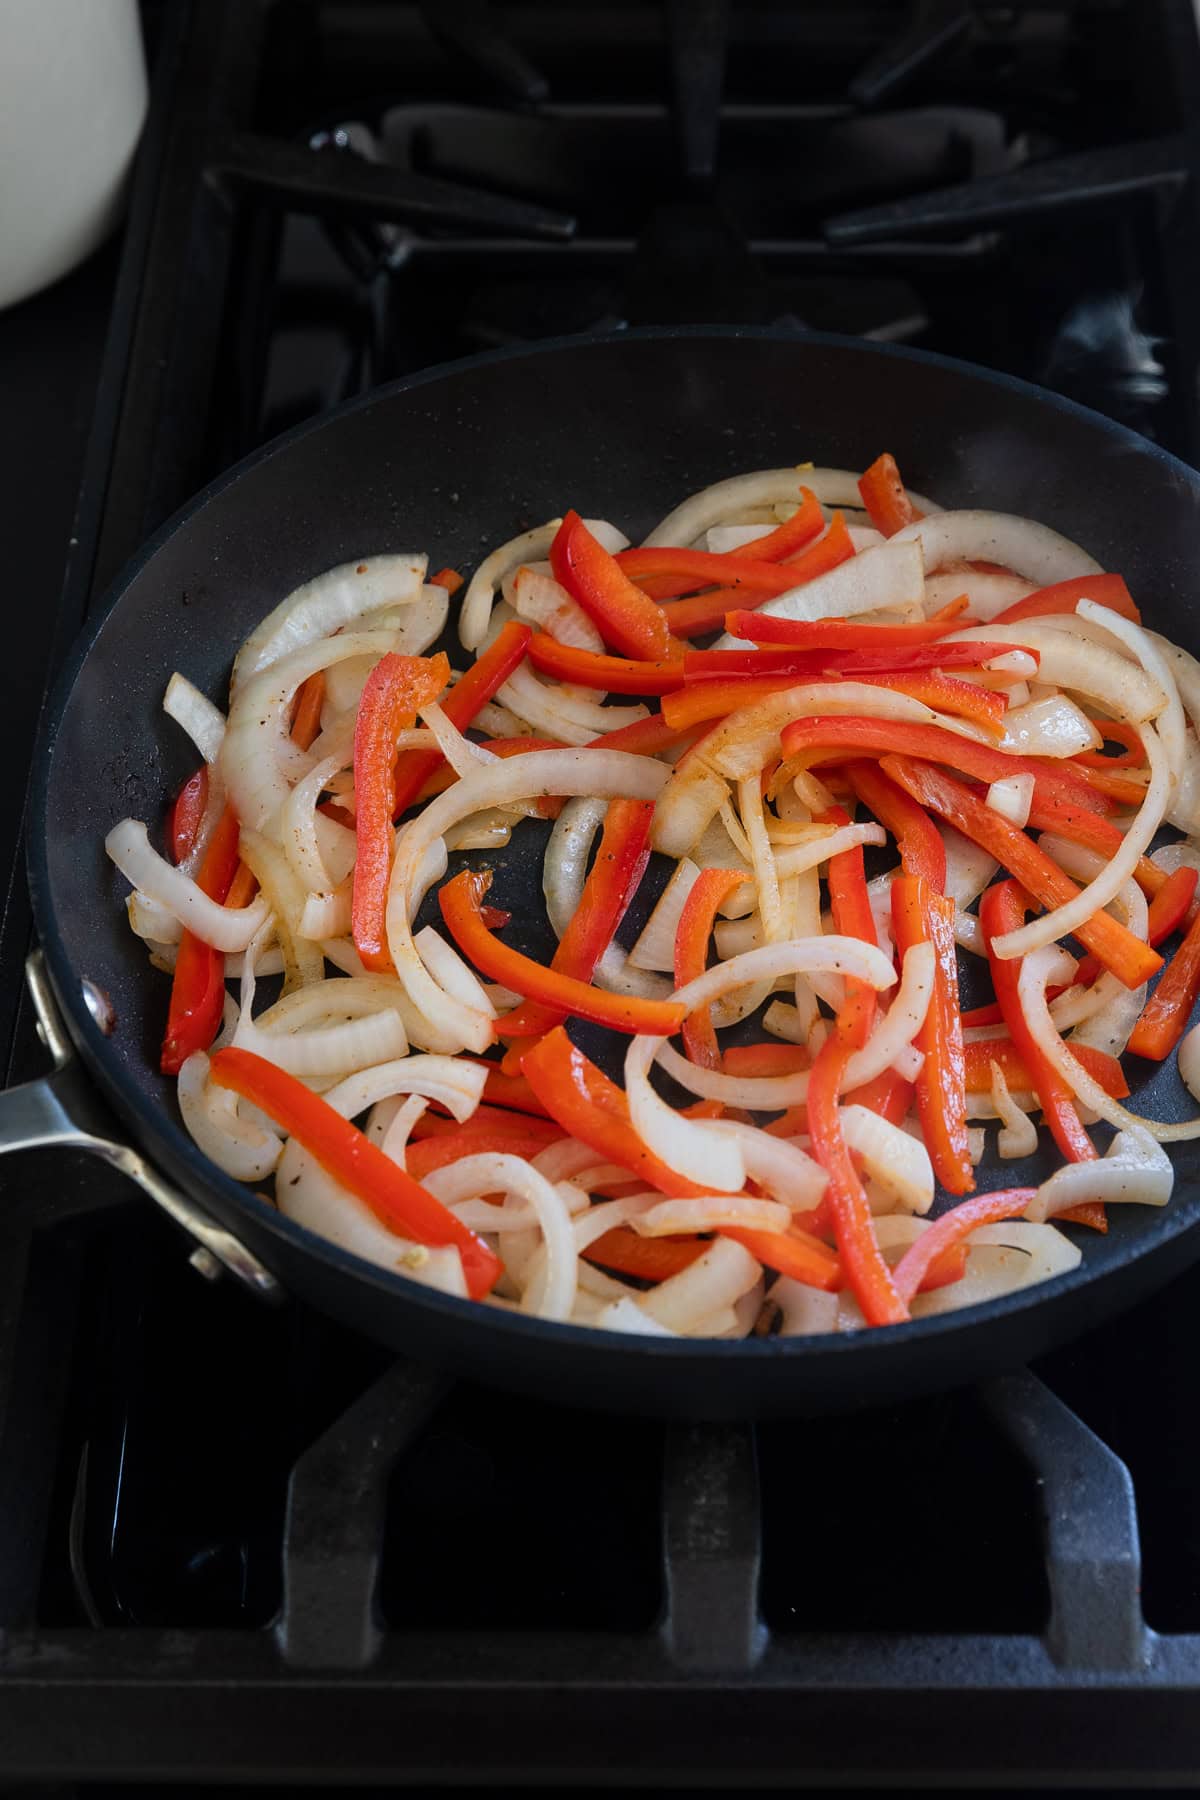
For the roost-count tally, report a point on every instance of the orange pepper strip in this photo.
(1064, 597)
(450, 579)
(1171, 905)
(1130, 960)
(442, 1148)
(594, 1109)
(1114, 731)
(850, 905)
(885, 497)
(765, 1059)
(696, 921)
(920, 843)
(460, 705)
(306, 720)
(791, 1253)
(706, 612)
(843, 634)
(198, 983)
(713, 699)
(949, 694)
(615, 674)
(1114, 787)
(1084, 827)
(487, 1118)
(677, 571)
(706, 665)
(1019, 1070)
(461, 901)
(921, 916)
(187, 810)
(788, 539)
(344, 1152)
(951, 1228)
(612, 881)
(1166, 1013)
(889, 1095)
(627, 620)
(648, 1259)
(395, 689)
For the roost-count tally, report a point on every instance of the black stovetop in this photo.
(244, 1544)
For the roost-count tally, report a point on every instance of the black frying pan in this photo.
(456, 461)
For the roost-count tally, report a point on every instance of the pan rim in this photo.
(171, 1145)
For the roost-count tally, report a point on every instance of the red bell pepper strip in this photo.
(395, 690)
(198, 983)
(1018, 1068)
(627, 620)
(1068, 820)
(802, 664)
(701, 700)
(594, 1109)
(677, 571)
(616, 674)
(486, 1118)
(920, 843)
(645, 1258)
(187, 810)
(1171, 905)
(846, 1202)
(1113, 787)
(645, 737)
(612, 881)
(1064, 597)
(511, 1091)
(1166, 1013)
(450, 579)
(711, 887)
(883, 494)
(1115, 731)
(344, 1152)
(843, 634)
(460, 705)
(921, 916)
(754, 1060)
(850, 905)
(441, 1149)
(788, 539)
(706, 612)
(889, 1095)
(932, 743)
(951, 1228)
(1130, 960)
(793, 1253)
(461, 901)
(306, 720)
(948, 694)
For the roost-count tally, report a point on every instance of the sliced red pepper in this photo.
(487, 1118)
(450, 579)
(646, 1258)
(615, 674)
(948, 694)
(792, 1253)
(1130, 960)
(701, 700)
(889, 1095)
(512, 1091)
(885, 498)
(1115, 731)
(932, 743)
(1166, 1013)
(1171, 905)
(187, 810)
(920, 843)
(594, 1109)
(708, 891)
(352, 1159)
(198, 983)
(1066, 819)
(306, 720)
(951, 1228)
(441, 1149)
(461, 901)
(612, 881)
(676, 571)
(843, 634)
(1113, 787)
(755, 1060)
(921, 916)
(706, 612)
(460, 705)
(627, 620)
(801, 665)
(850, 904)
(788, 539)
(845, 1200)
(1064, 597)
(395, 690)
(1019, 1070)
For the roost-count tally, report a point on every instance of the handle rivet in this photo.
(205, 1263)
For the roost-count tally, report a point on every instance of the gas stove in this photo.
(243, 1545)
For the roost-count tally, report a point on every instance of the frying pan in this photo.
(457, 460)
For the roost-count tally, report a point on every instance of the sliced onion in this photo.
(459, 751)
(551, 1294)
(897, 1161)
(150, 920)
(298, 825)
(451, 972)
(1189, 1062)
(564, 869)
(454, 1083)
(572, 714)
(329, 1050)
(1018, 1135)
(743, 742)
(1119, 869)
(413, 629)
(687, 806)
(1170, 723)
(720, 539)
(988, 592)
(543, 602)
(195, 712)
(476, 610)
(302, 961)
(761, 487)
(328, 915)
(655, 948)
(607, 773)
(709, 1213)
(806, 1311)
(778, 1165)
(500, 722)
(1135, 1170)
(327, 604)
(1001, 1259)
(224, 927)
(718, 1278)
(1022, 545)
(798, 859)
(1050, 727)
(1012, 798)
(242, 1147)
(1069, 659)
(762, 858)
(882, 579)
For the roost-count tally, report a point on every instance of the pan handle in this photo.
(62, 1110)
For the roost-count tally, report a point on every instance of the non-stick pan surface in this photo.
(455, 461)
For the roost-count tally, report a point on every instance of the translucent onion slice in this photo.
(779, 1165)
(195, 712)
(1135, 1171)
(1049, 727)
(564, 868)
(989, 593)
(326, 605)
(543, 602)
(743, 742)
(413, 629)
(150, 920)
(710, 1212)
(572, 714)
(1018, 1134)
(805, 1311)
(328, 915)
(655, 948)
(716, 1279)
(454, 1083)
(760, 487)
(302, 961)
(601, 773)
(475, 612)
(329, 1050)
(687, 806)
(298, 824)
(1170, 723)
(241, 1146)
(891, 1156)
(551, 1294)
(798, 859)
(885, 578)
(224, 927)
(1068, 659)
(1012, 798)
(1022, 545)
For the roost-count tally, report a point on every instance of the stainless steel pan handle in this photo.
(63, 1111)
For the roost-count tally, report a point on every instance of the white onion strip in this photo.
(195, 712)
(224, 927)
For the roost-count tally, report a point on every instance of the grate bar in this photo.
(333, 1529)
(712, 1542)
(1089, 1517)
(934, 27)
